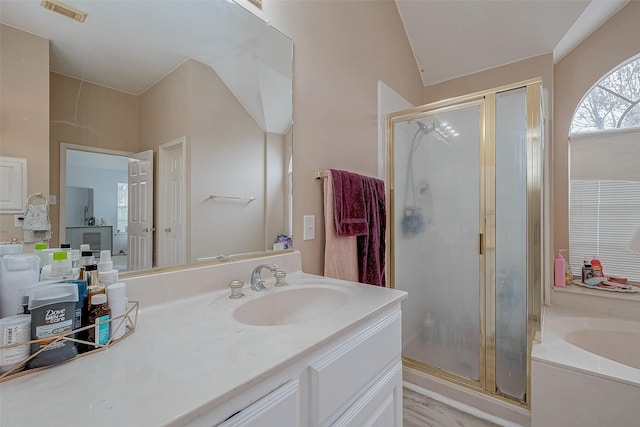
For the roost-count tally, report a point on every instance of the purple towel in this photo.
(349, 203)
(371, 247)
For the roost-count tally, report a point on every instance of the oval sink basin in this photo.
(290, 306)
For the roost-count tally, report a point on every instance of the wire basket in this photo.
(129, 319)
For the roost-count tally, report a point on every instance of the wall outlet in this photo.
(52, 199)
(309, 227)
(18, 220)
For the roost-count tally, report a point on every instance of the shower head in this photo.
(424, 128)
(442, 130)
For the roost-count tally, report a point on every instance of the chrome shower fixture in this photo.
(443, 129)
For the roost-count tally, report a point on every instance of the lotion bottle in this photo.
(107, 274)
(559, 270)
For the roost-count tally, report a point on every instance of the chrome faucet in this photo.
(256, 282)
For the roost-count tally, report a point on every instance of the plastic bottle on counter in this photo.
(61, 265)
(117, 300)
(587, 271)
(86, 258)
(559, 270)
(16, 272)
(14, 330)
(75, 258)
(40, 249)
(99, 315)
(568, 277)
(596, 267)
(10, 249)
(106, 272)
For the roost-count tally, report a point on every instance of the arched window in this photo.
(614, 102)
(604, 200)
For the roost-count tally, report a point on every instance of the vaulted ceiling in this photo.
(453, 38)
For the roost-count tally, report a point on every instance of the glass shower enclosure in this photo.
(465, 203)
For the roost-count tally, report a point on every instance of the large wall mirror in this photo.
(170, 126)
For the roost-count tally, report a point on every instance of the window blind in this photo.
(604, 205)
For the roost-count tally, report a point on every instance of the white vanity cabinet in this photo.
(343, 379)
(281, 407)
(354, 380)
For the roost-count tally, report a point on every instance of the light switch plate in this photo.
(52, 199)
(309, 227)
(18, 220)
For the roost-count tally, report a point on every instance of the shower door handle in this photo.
(481, 249)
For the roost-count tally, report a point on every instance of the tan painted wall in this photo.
(24, 121)
(537, 66)
(164, 109)
(84, 113)
(612, 44)
(341, 50)
(227, 158)
(164, 117)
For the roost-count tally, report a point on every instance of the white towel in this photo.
(36, 225)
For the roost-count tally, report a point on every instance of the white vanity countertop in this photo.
(185, 358)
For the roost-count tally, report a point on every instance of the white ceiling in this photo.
(453, 38)
(130, 45)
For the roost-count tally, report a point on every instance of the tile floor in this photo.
(422, 411)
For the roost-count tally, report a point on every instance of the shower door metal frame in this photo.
(486, 100)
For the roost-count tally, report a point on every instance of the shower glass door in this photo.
(511, 243)
(437, 227)
(465, 236)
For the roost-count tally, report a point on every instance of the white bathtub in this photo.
(586, 372)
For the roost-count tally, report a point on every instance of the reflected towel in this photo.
(340, 252)
(36, 225)
(348, 203)
(372, 247)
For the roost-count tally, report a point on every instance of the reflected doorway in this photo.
(95, 202)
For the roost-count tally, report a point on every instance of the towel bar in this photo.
(320, 174)
(248, 199)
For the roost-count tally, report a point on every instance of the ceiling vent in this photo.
(63, 9)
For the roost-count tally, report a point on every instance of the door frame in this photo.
(161, 191)
(62, 201)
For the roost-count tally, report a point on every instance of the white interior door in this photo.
(140, 211)
(171, 236)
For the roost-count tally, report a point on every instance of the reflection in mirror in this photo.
(206, 87)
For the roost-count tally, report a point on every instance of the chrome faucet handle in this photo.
(280, 275)
(256, 281)
(235, 288)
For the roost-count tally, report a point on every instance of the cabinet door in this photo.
(339, 377)
(279, 408)
(380, 405)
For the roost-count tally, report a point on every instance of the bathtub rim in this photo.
(555, 351)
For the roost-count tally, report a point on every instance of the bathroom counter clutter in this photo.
(191, 356)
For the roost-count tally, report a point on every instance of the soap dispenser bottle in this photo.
(559, 270)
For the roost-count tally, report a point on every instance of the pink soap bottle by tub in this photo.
(559, 270)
